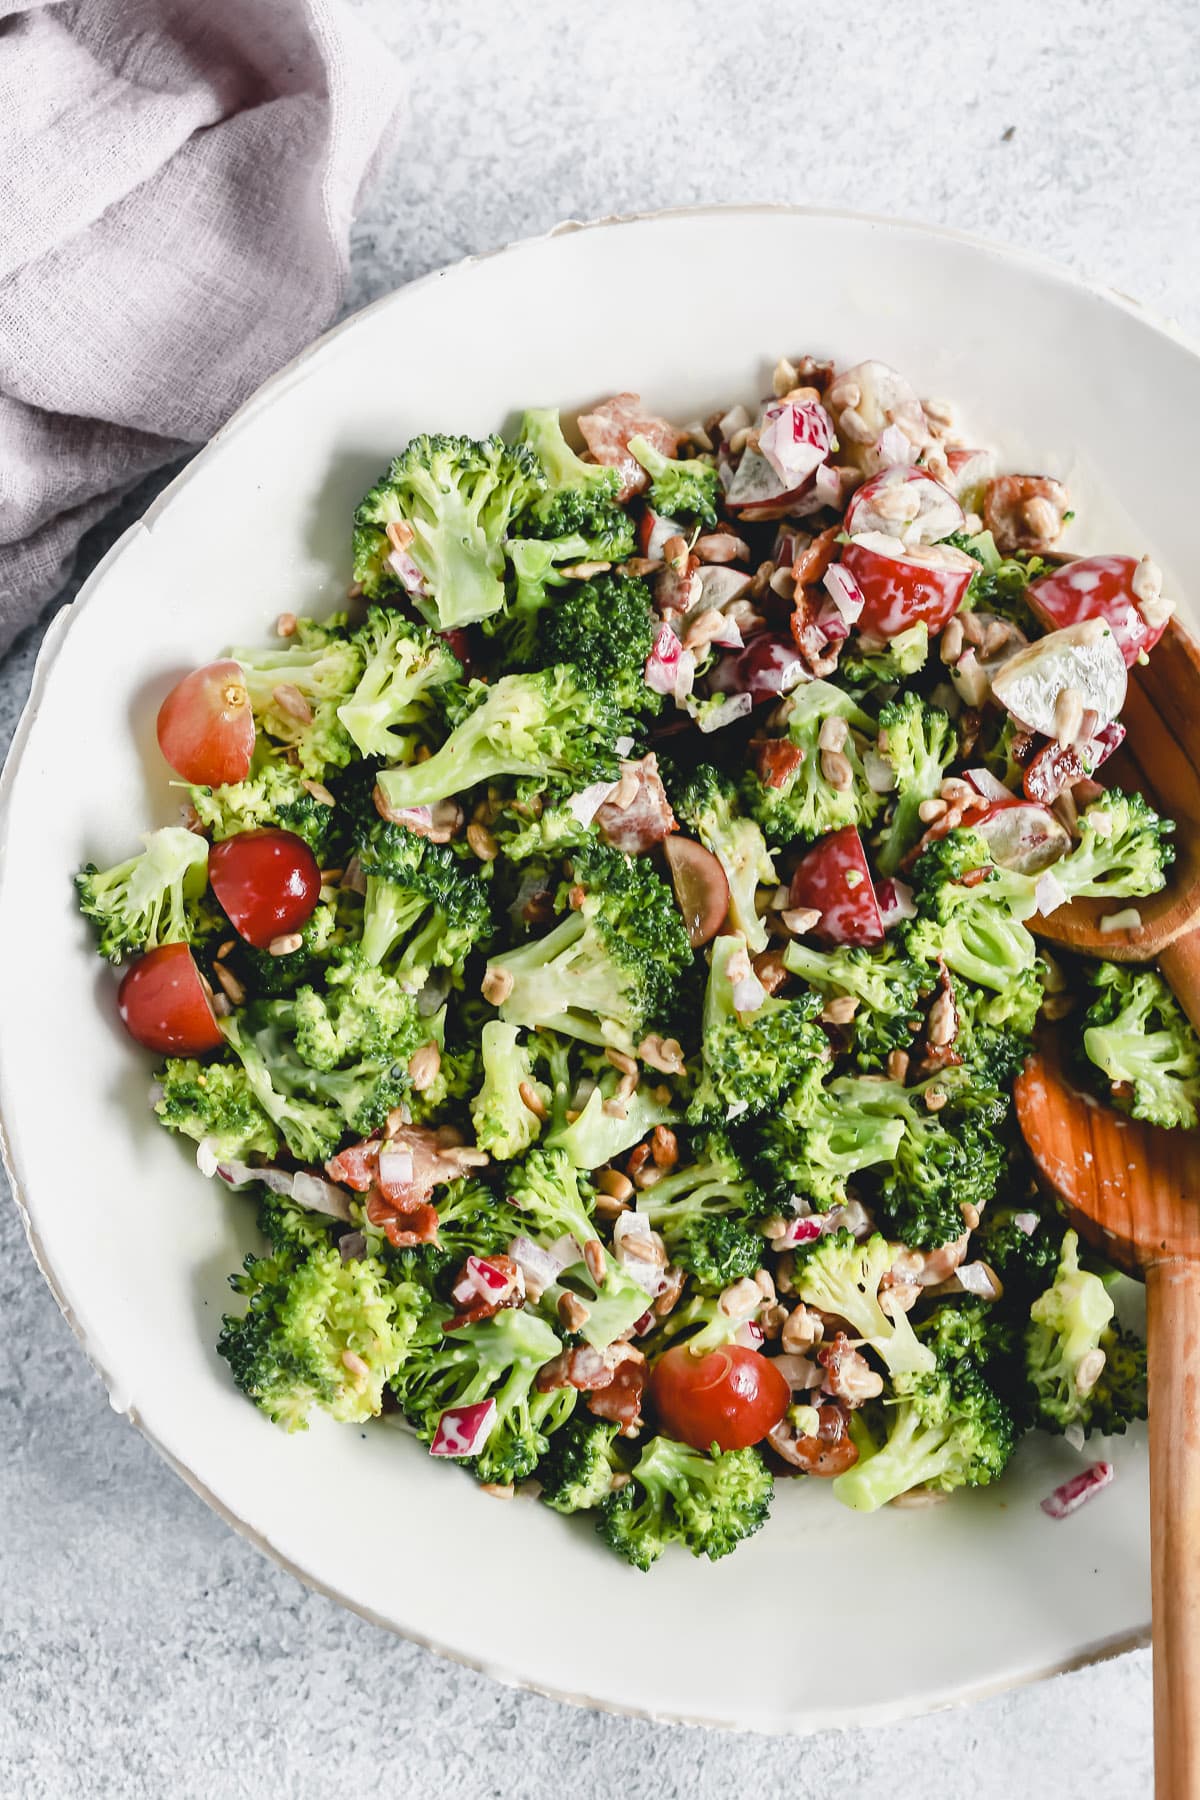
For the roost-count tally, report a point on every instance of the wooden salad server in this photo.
(1133, 1190)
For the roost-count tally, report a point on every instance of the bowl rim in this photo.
(276, 384)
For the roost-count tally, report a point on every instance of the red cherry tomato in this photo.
(902, 587)
(732, 1397)
(206, 727)
(833, 879)
(165, 1006)
(267, 881)
(1097, 587)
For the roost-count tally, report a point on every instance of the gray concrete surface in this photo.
(144, 1650)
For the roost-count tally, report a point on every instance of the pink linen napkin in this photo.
(177, 182)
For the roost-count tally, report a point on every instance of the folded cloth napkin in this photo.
(177, 181)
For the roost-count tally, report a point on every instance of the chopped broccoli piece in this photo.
(272, 794)
(363, 1013)
(143, 902)
(606, 629)
(903, 655)
(753, 1056)
(888, 985)
(919, 742)
(577, 1473)
(1001, 583)
(552, 722)
(457, 496)
(214, 1103)
(504, 1125)
(545, 1191)
(843, 1277)
(949, 1430)
(422, 910)
(1123, 853)
(808, 805)
(707, 803)
(678, 488)
(579, 500)
(677, 1495)
(311, 1110)
(318, 1332)
(597, 1135)
(390, 711)
(976, 927)
(704, 1211)
(1064, 1353)
(297, 686)
(1137, 1035)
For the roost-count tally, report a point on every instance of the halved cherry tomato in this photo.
(902, 586)
(165, 1006)
(833, 879)
(732, 1397)
(1098, 587)
(206, 727)
(267, 881)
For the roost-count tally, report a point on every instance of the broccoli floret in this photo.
(606, 972)
(504, 1125)
(826, 1134)
(975, 926)
(537, 570)
(297, 686)
(598, 1134)
(945, 1161)
(1064, 1342)
(1000, 586)
(1119, 1396)
(700, 1322)
(325, 932)
(545, 1190)
(496, 1359)
(421, 910)
(580, 499)
(391, 709)
(457, 497)
(214, 1103)
(841, 1276)
(707, 804)
(904, 655)
(143, 902)
(995, 1029)
(808, 805)
(318, 1332)
(888, 985)
(678, 488)
(950, 1429)
(363, 1014)
(1137, 1035)
(750, 1058)
(919, 742)
(311, 1128)
(577, 1472)
(470, 1223)
(677, 1495)
(606, 629)
(1022, 1244)
(550, 722)
(1124, 850)
(272, 794)
(703, 1211)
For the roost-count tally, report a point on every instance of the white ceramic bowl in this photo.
(825, 1617)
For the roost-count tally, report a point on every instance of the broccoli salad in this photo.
(604, 954)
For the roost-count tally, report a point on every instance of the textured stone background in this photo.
(145, 1650)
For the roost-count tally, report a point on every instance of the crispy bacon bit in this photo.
(647, 818)
(621, 1398)
(608, 428)
(778, 760)
(848, 1374)
(425, 1164)
(810, 637)
(1024, 512)
(811, 562)
(356, 1167)
(586, 1369)
(829, 1451)
(403, 1230)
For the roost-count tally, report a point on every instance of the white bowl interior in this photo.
(825, 1617)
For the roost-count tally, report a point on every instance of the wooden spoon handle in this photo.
(1173, 1321)
(1180, 964)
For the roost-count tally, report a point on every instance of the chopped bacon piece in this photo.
(356, 1167)
(621, 1398)
(483, 1299)
(586, 1369)
(830, 1450)
(678, 590)
(403, 1230)
(778, 760)
(811, 563)
(608, 428)
(646, 819)
(400, 1173)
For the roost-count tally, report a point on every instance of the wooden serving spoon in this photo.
(1133, 1190)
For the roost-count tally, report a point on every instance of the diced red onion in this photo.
(623, 746)
(540, 1269)
(1027, 1222)
(735, 420)
(319, 1195)
(395, 1168)
(844, 591)
(736, 706)
(895, 901)
(566, 1250)
(801, 1231)
(1075, 1436)
(894, 447)
(1070, 1495)
(795, 437)
(663, 661)
(749, 1336)
(685, 675)
(827, 486)
(1049, 893)
(852, 1217)
(632, 1225)
(646, 1323)
(985, 783)
(976, 1278)
(832, 622)
(881, 776)
(407, 572)
(415, 817)
(485, 1279)
(729, 638)
(748, 994)
(464, 1430)
(587, 803)
(206, 1158)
